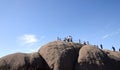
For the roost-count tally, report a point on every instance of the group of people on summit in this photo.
(66, 39)
(69, 39)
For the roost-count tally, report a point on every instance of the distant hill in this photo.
(60, 55)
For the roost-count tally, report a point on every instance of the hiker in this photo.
(113, 48)
(58, 39)
(87, 42)
(65, 39)
(84, 43)
(101, 46)
(97, 46)
(69, 38)
(79, 41)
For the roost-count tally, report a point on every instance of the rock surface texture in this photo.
(60, 55)
(23, 61)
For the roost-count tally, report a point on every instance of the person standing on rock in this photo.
(119, 49)
(84, 43)
(69, 38)
(101, 46)
(58, 39)
(113, 48)
(79, 41)
(65, 39)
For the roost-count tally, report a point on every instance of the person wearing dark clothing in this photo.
(101, 46)
(79, 41)
(69, 38)
(84, 43)
(65, 39)
(113, 48)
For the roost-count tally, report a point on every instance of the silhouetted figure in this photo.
(97, 46)
(88, 42)
(79, 41)
(119, 49)
(94, 45)
(101, 46)
(84, 43)
(113, 48)
(58, 39)
(65, 39)
(69, 38)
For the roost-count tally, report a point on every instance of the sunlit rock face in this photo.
(61, 55)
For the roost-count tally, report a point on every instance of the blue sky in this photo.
(25, 25)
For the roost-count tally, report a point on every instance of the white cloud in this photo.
(28, 39)
(111, 34)
(30, 42)
(32, 50)
(105, 36)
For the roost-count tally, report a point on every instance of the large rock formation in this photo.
(60, 55)
(91, 58)
(23, 61)
(113, 63)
